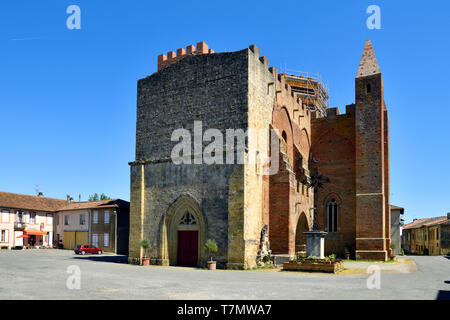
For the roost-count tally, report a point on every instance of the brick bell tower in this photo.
(372, 166)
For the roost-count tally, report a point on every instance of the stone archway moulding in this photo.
(169, 229)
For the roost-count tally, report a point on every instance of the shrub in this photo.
(145, 244)
(211, 247)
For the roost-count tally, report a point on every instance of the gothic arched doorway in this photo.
(187, 248)
(300, 238)
(183, 233)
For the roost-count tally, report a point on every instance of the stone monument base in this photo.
(315, 244)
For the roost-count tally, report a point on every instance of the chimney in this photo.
(415, 219)
(79, 200)
(40, 194)
(448, 215)
(68, 199)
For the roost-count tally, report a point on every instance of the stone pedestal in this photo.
(315, 244)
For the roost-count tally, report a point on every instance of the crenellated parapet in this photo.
(284, 95)
(334, 113)
(172, 57)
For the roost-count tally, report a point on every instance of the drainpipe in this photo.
(89, 226)
(115, 231)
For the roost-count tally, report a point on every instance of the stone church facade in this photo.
(177, 207)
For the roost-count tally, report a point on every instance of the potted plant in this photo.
(211, 248)
(346, 254)
(145, 244)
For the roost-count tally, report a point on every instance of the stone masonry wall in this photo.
(212, 88)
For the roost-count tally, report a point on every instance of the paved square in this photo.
(42, 274)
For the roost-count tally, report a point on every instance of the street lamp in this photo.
(315, 243)
(316, 181)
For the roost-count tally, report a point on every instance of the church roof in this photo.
(368, 65)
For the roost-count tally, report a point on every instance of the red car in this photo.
(86, 248)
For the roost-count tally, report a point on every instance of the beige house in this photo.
(72, 227)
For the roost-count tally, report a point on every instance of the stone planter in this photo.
(211, 265)
(317, 265)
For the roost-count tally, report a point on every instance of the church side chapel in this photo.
(333, 172)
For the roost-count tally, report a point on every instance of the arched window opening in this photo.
(369, 89)
(332, 215)
(188, 219)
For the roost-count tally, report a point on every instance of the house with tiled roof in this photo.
(427, 236)
(27, 220)
(104, 224)
(38, 221)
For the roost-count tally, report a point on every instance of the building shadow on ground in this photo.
(104, 258)
(443, 295)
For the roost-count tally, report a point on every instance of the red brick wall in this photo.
(333, 148)
(279, 208)
(284, 201)
(372, 201)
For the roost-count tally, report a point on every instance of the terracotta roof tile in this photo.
(112, 203)
(35, 203)
(27, 202)
(425, 222)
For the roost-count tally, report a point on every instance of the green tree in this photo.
(96, 197)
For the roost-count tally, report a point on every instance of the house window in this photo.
(106, 217)
(95, 240)
(32, 217)
(5, 216)
(82, 219)
(4, 236)
(332, 215)
(437, 234)
(95, 217)
(66, 220)
(106, 240)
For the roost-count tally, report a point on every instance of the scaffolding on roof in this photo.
(310, 87)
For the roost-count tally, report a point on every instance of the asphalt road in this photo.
(43, 274)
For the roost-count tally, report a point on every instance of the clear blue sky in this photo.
(68, 97)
